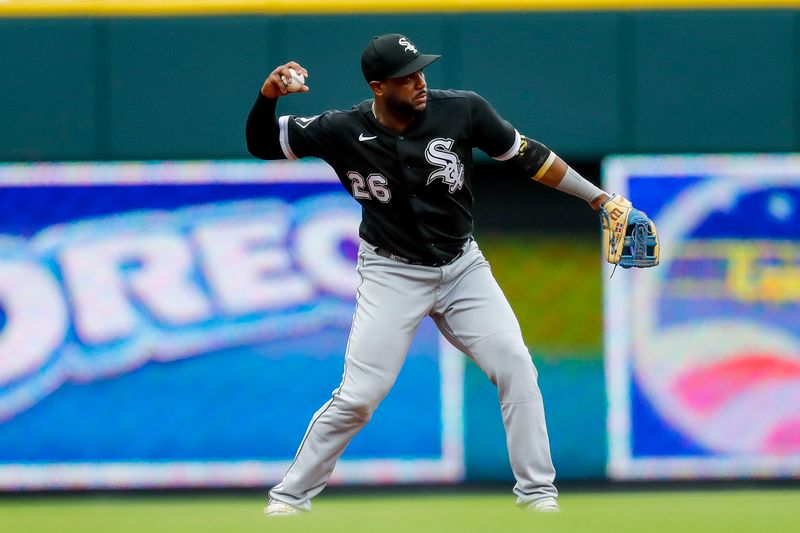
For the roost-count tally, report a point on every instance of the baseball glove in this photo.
(629, 237)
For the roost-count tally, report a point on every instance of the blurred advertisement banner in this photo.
(177, 324)
(703, 352)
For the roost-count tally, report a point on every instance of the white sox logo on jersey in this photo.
(409, 47)
(451, 170)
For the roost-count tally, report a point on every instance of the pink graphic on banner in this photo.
(706, 388)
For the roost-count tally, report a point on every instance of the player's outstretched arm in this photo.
(536, 160)
(262, 131)
(630, 238)
(555, 173)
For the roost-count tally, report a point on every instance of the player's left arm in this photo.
(495, 136)
(543, 165)
(629, 237)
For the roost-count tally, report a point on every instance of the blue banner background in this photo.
(229, 404)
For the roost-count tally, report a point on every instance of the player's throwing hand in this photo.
(279, 82)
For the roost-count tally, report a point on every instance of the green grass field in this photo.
(650, 511)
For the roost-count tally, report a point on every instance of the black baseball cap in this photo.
(392, 56)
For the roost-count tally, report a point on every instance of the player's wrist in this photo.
(599, 201)
(268, 90)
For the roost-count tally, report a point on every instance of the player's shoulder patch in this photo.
(304, 122)
(321, 121)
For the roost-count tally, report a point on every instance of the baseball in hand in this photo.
(295, 82)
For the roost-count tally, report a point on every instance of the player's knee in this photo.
(511, 368)
(518, 382)
(359, 408)
(363, 411)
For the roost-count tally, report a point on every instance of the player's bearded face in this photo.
(408, 94)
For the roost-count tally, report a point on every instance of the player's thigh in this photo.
(480, 318)
(391, 300)
(474, 306)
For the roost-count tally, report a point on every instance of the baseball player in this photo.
(405, 155)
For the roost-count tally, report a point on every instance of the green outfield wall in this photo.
(587, 83)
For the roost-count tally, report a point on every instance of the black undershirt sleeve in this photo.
(262, 131)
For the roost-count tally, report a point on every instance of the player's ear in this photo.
(377, 87)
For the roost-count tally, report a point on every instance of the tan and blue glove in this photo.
(630, 238)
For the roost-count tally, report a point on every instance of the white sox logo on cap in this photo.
(407, 44)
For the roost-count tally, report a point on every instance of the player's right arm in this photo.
(263, 130)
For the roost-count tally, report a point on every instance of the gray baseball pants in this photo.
(472, 312)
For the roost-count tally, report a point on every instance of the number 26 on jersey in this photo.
(374, 187)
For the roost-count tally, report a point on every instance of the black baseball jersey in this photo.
(415, 187)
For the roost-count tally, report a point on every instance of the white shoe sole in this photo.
(275, 509)
(545, 505)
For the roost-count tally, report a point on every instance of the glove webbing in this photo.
(638, 242)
